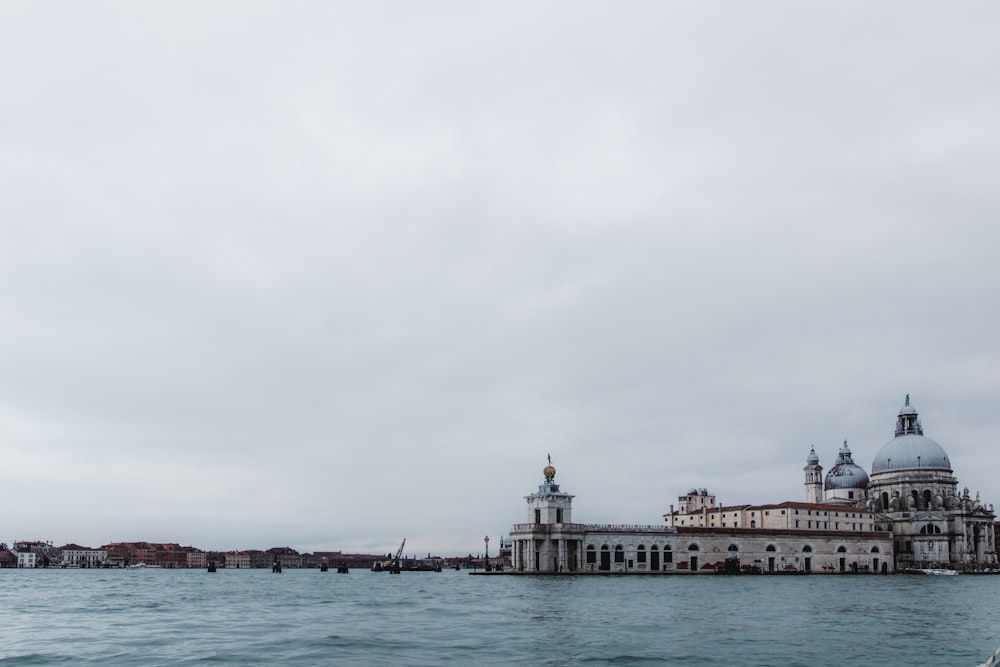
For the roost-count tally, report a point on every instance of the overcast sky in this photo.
(328, 275)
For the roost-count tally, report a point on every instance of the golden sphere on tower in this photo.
(549, 471)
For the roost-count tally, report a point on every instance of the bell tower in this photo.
(814, 478)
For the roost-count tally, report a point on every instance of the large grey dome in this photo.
(910, 449)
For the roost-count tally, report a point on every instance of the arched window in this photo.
(692, 547)
(668, 555)
(875, 550)
(927, 499)
(733, 547)
(619, 554)
(841, 549)
(807, 549)
(591, 554)
(753, 523)
(885, 500)
(640, 556)
(770, 547)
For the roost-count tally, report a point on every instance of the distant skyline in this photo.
(331, 275)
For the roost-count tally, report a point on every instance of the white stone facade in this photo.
(83, 557)
(547, 545)
(781, 516)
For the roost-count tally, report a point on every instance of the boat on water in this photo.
(994, 660)
(933, 571)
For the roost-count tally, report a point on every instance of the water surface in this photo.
(305, 617)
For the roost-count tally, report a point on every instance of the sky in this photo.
(329, 275)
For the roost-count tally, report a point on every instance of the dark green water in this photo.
(254, 617)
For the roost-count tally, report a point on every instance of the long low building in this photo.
(551, 543)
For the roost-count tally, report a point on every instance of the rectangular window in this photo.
(641, 557)
(668, 556)
(619, 556)
(591, 556)
(538, 516)
(558, 515)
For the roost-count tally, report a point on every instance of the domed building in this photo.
(907, 513)
(914, 494)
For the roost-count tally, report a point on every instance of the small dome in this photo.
(812, 459)
(846, 474)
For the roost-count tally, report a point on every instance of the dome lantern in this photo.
(910, 449)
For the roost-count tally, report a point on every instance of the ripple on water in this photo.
(307, 618)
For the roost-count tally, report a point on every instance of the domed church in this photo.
(907, 513)
(914, 495)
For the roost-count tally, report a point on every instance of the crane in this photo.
(394, 567)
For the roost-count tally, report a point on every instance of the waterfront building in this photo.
(76, 556)
(913, 493)
(907, 513)
(789, 515)
(198, 559)
(237, 559)
(551, 542)
(27, 559)
(45, 553)
(285, 556)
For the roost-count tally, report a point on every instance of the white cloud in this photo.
(332, 275)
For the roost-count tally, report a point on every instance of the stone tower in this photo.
(550, 505)
(549, 541)
(814, 478)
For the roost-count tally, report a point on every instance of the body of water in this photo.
(305, 617)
